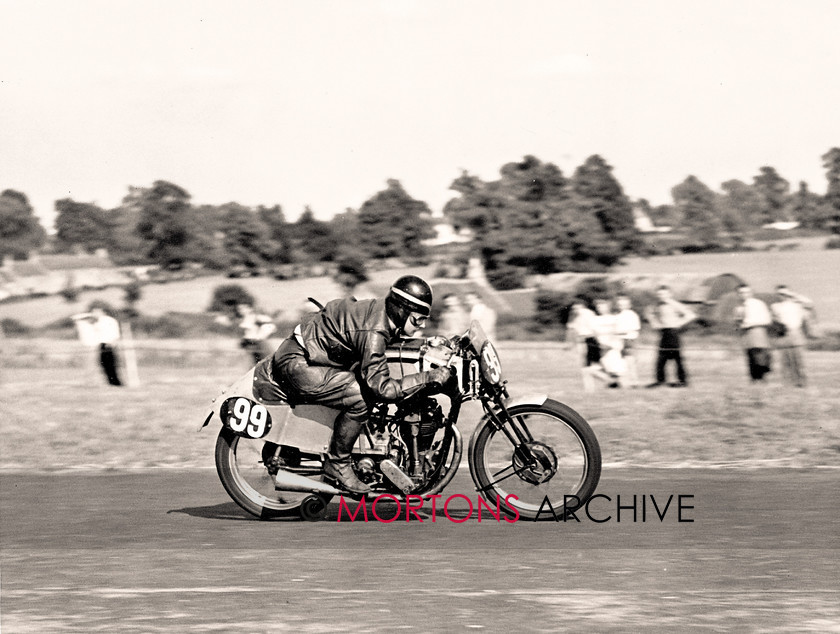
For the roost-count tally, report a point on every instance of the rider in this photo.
(337, 359)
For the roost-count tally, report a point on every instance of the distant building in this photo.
(643, 222)
(782, 225)
(446, 234)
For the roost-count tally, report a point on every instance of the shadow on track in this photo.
(225, 511)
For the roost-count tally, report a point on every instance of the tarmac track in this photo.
(166, 551)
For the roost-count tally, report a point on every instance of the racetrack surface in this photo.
(164, 550)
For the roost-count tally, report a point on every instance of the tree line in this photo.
(532, 219)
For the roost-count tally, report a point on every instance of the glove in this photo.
(442, 376)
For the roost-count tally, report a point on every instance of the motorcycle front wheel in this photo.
(240, 463)
(556, 474)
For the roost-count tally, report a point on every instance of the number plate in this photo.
(245, 417)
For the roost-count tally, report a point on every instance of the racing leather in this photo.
(353, 335)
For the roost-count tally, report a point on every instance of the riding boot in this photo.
(339, 464)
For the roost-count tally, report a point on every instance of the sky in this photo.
(320, 102)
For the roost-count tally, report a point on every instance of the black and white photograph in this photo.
(419, 315)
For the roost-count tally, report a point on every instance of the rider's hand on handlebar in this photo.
(442, 376)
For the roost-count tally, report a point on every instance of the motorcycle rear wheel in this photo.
(239, 463)
(563, 476)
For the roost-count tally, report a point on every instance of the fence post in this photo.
(132, 376)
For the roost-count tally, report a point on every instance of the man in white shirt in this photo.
(580, 327)
(256, 329)
(753, 318)
(612, 366)
(669, 316)
(791, 311)
(483, 314)
(99, 329)
(627, 326)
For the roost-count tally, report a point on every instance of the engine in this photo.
(424, 424)
(404, 450)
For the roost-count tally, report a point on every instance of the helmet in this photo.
(409, 294)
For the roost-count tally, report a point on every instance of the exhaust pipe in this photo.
(288, 481)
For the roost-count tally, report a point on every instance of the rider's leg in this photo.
(336, 388)
(346, 430)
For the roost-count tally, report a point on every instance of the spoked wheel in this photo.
(241, 465)
(560, 461)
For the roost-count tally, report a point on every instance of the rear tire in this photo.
(239, 463)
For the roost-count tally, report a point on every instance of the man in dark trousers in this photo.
(337, 359)
(103, 331)
(669, 316)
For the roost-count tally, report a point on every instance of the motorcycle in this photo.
(529, 452)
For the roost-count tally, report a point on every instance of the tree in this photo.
(740, 207)
(773, 189)
(81, 225)
(393, 224)
(227, 296)
(279, 233)
(809, 209)
(600, 194)
(313, 239)
(695, 203)
(531, 221)
(164, 222)
(20, 230)
(831, 162)
(125, 246)
(350, 271)
(245, 239)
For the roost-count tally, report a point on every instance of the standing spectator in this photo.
(483, 314)
(256, 329)
(669, 316)
(581, 327)
(98, 329)
(791, 311)
(753, 319)
(454, 320)
(611, 366)
(628, 325)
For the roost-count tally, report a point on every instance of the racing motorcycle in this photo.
(529, 451)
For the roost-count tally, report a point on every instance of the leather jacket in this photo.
(353, 335)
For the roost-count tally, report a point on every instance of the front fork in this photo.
(513, 427)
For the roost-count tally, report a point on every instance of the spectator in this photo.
(580, 327)
(753, 319)
(454, 320)
(790, 311)
(256, 329)
(611, 365)
(669, 316)
(483, 314)
(628, 325)
(97, 329)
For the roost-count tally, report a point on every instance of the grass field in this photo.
(55, 418)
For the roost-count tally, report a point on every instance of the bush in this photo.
(507, 278)
(227, 296)
(833, 243)
(551, 309)
(14, 328)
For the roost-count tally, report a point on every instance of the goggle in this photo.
(418, 321)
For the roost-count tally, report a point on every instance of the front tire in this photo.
(239, 463)
(564, 467)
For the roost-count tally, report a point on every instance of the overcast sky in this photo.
(320, 102)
